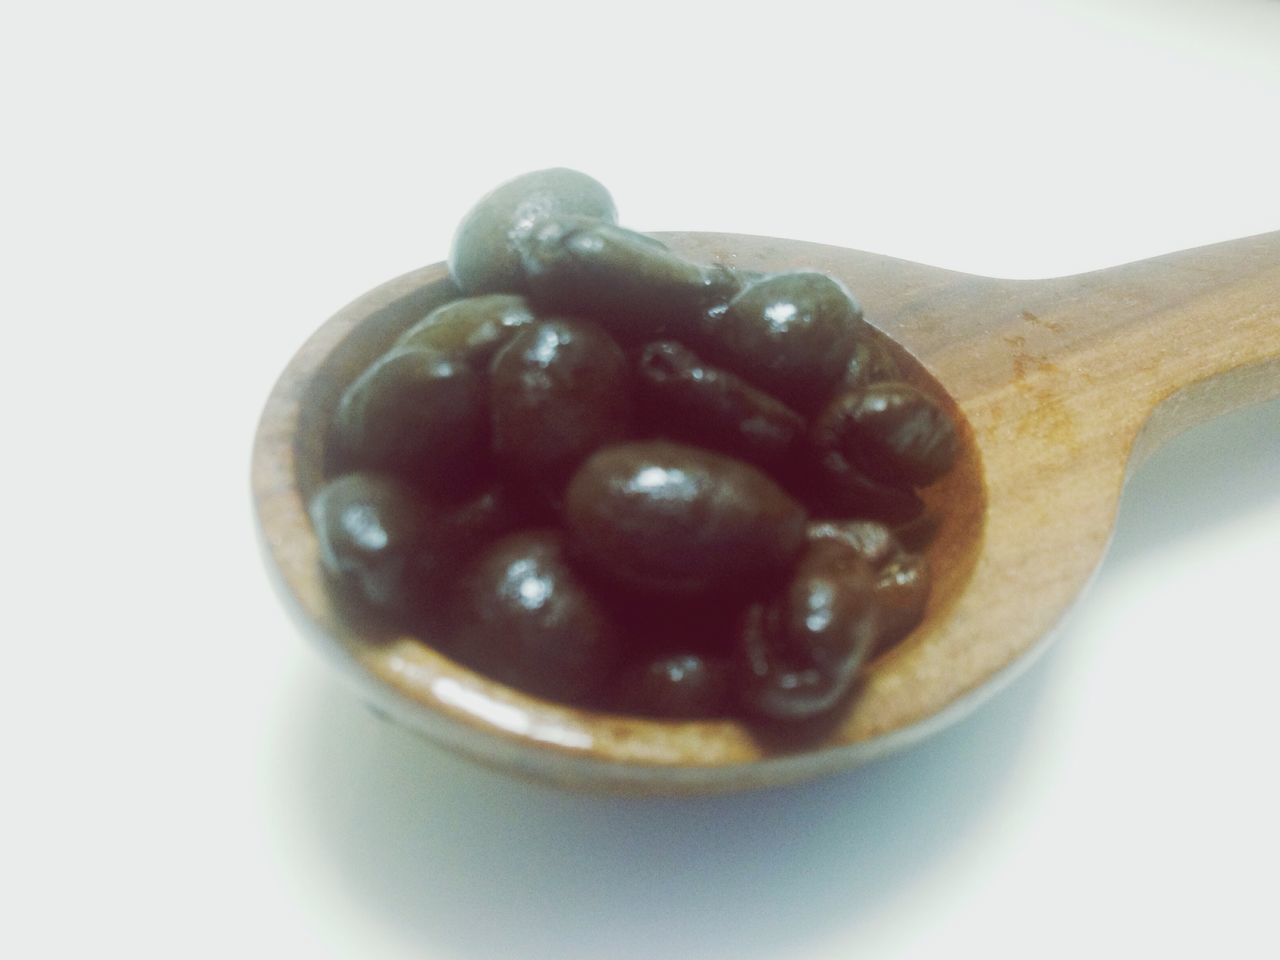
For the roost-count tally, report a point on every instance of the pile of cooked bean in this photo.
(611, 477)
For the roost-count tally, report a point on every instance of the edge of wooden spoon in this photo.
(1010, 567)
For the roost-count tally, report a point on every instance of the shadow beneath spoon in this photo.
(472, 863)
(1227, 467)
(487, 866)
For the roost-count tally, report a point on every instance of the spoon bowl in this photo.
(1059, 387)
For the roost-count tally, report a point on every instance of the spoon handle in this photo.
(1120, 358)
(1165, 343)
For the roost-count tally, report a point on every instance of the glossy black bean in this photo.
(835, 487)
(902, 593)
(831, 606)
(672, 519)
(790, 334)
(703, 623)
(868, 363)
(472, 329)
(634, 288)
(684, 399)
(872, 541)
(690, 570)
(456, 530)
(483, 258)
(901, 576)
(370, 529)
(801, 651)
(420, 414)
(891, 432)
(920, 531)
(769, 685)
(525, 618)
(560, 389)
(686, 685)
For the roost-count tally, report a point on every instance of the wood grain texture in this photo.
(1062, 385)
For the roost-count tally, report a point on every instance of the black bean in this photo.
(504, 504)
(918, 532)
(672, 519)
(370, 529)
(836, 487)
(683, 685)
(801, 651)
(901, 576)
(418, 413)
(868, 363)
(483, 258)
(703, 623)
(458, 529)
(472, 329)
(682, 398)
(525, 618)
(560, 389)
(873, 541)
(790, 334)
(902, 592)
(634, 288)
(891, 432)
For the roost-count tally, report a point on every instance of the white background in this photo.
(189, 189)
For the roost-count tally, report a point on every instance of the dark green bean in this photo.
(484, 259)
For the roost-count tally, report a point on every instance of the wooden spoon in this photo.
(1063, 386)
